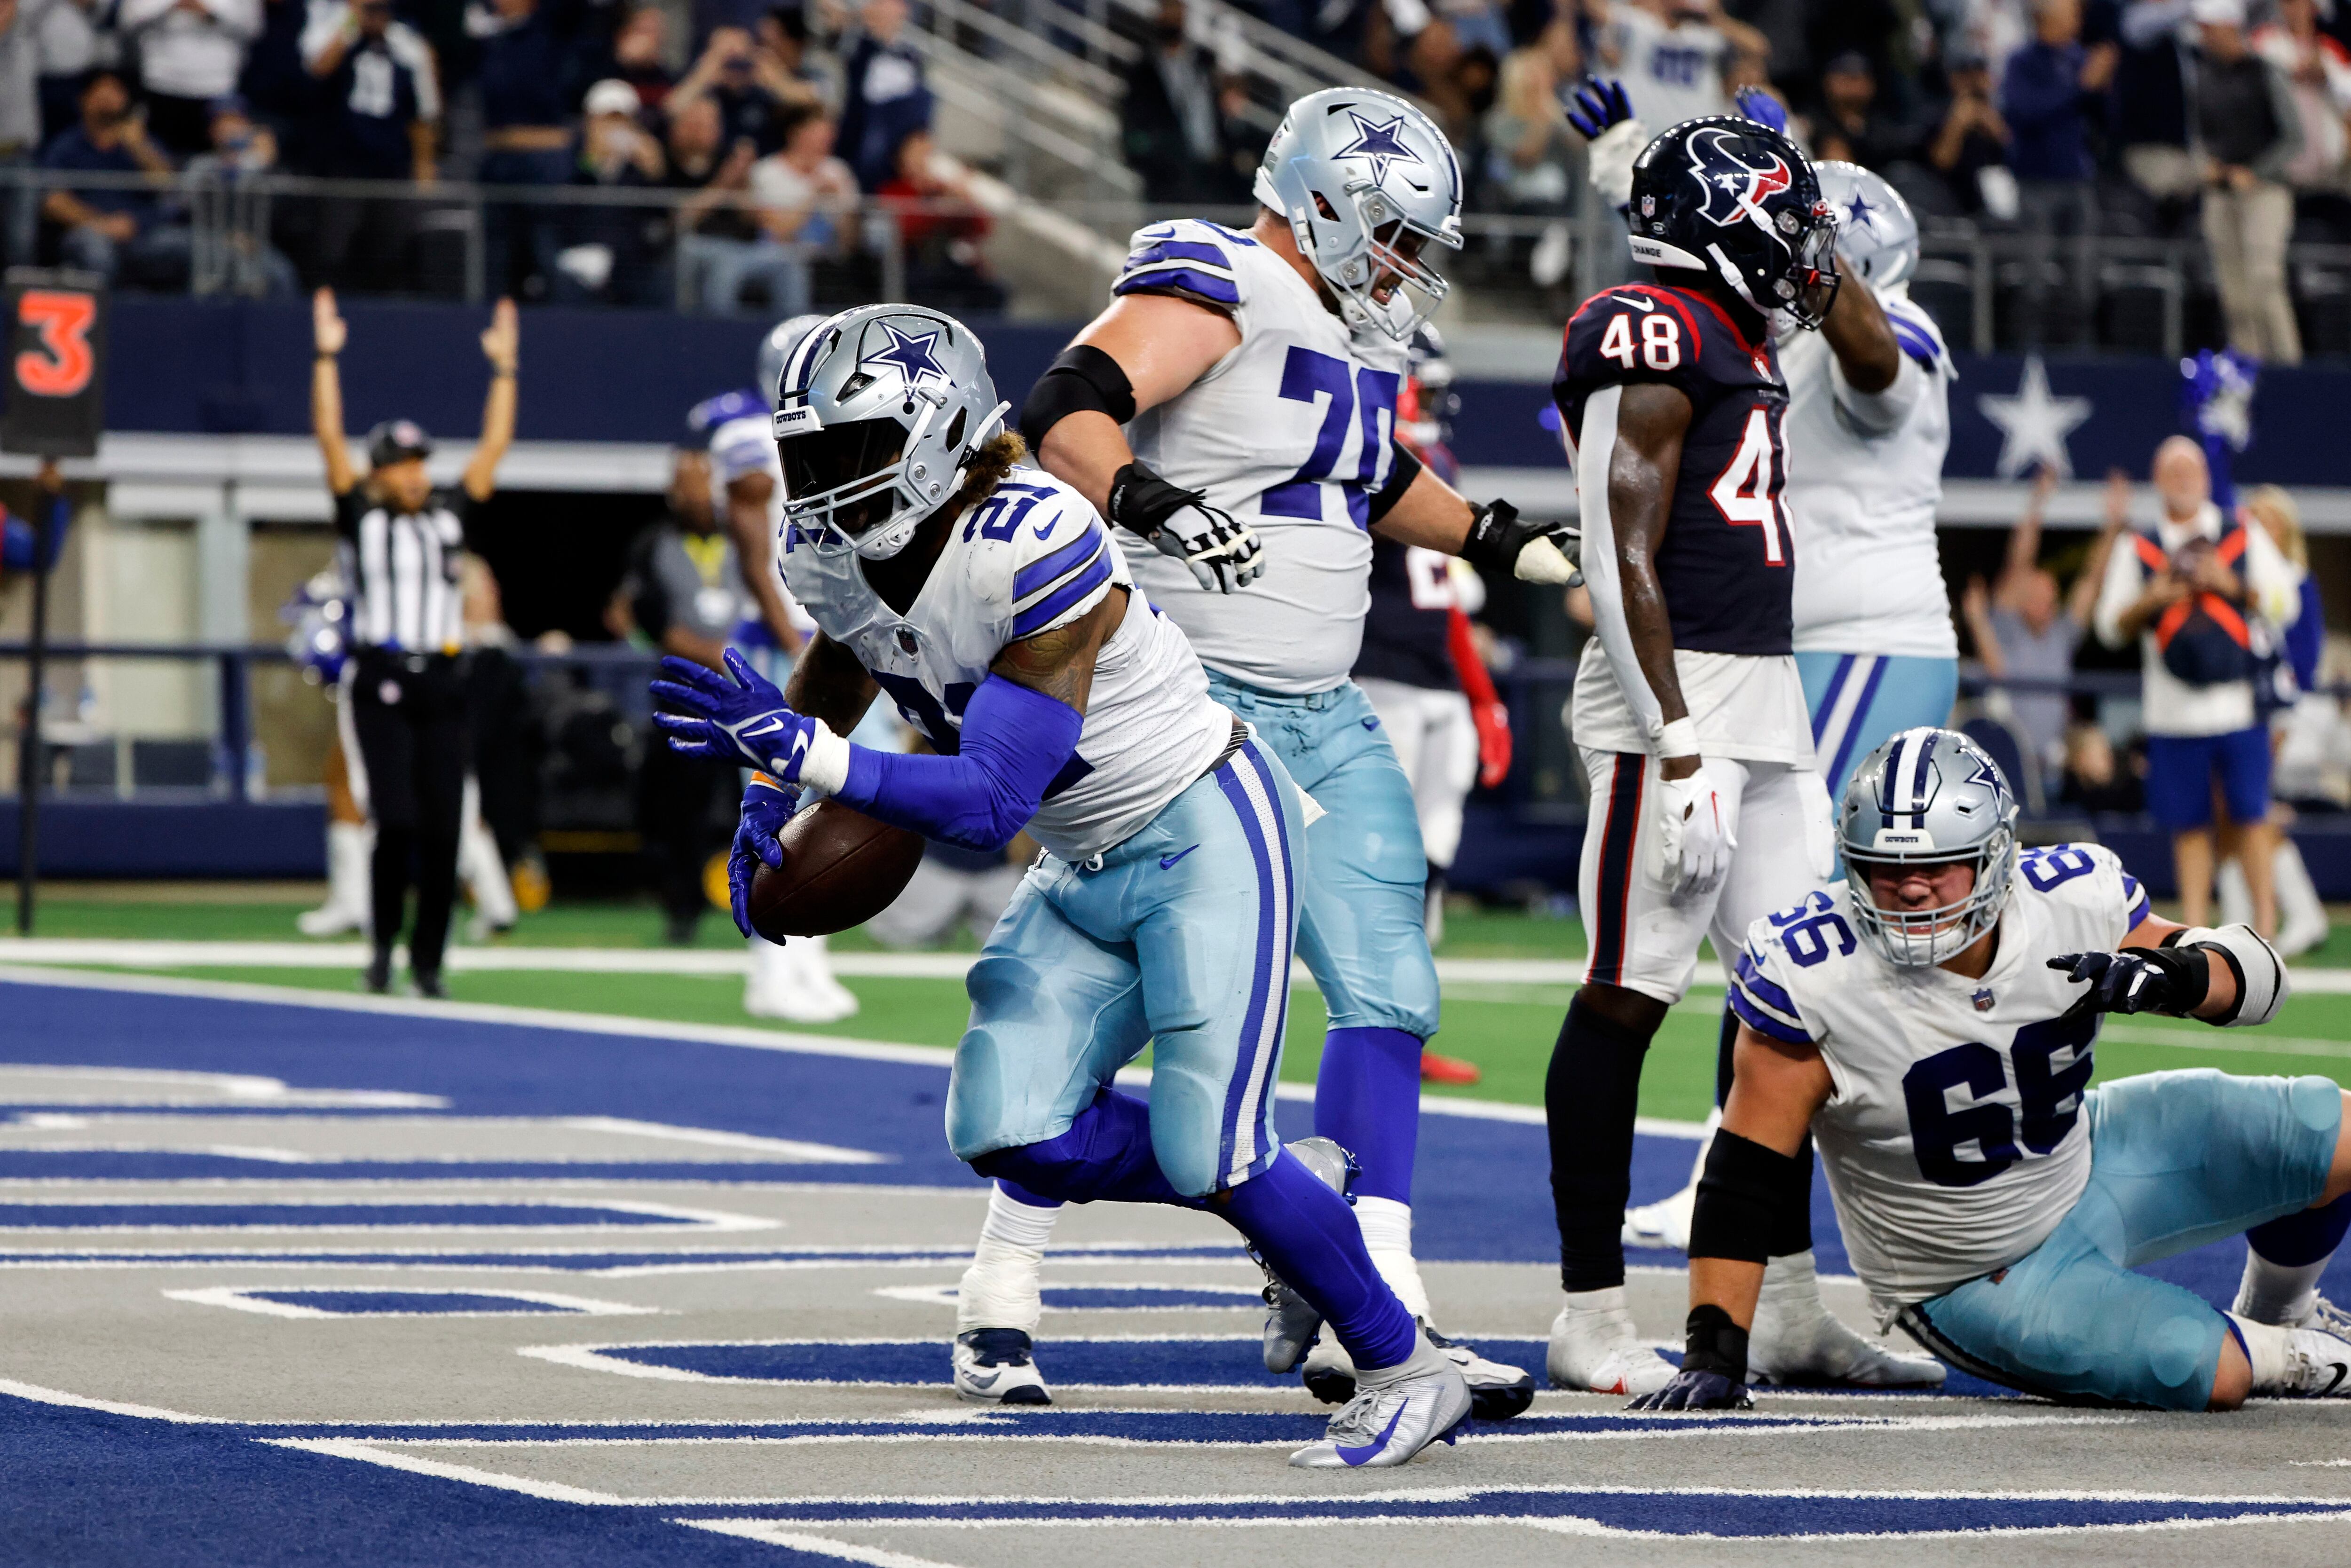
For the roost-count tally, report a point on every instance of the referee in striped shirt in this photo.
(403, 713)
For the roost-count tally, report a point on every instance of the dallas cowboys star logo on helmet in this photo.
(1383, 145)
(912, 357)
(1860, 213)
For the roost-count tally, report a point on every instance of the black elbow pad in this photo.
(1742, 1197)
(1082, 377)
(1407, 469)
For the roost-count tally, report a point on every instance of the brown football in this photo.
(841, 868)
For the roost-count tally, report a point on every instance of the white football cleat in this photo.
(1497, 1391)
(1385, 1425)
(1665, 1223)
(1594, 1350)
(2317, 1363)
(1795, 1339)
(997, 1366)
(1291, 1321)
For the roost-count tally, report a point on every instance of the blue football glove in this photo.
(766, 807)
(744, 717)
(1598, 105)
(1697, 1389)
(2171, 980)
(1762, 109)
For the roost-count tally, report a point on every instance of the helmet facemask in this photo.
(850, 486)
(1808, 287)
(1378, 253)
(1919, 939)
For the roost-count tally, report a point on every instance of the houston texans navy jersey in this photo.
(1727, 564)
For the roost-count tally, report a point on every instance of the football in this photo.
(841, 868)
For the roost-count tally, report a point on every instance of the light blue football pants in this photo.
(1860, 701)
(1179, 937)
(1362, 930)
(2177, 1160)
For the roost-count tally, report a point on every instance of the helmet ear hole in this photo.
(954, 437)
(1322, 206)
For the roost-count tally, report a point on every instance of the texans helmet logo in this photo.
(1735, 189)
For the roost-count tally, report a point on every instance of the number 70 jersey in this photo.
(1727, 564)
(1953, 1139)
(1292, 433)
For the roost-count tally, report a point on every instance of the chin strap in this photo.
(1722, 264)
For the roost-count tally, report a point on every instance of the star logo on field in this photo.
(912, 357)
(2033, 424)
(1383, 145)
(1857, 212)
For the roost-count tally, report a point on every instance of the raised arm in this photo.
(747, 496)
(327, 335)
(502, 345)
(1863, 341)
(2025, 540)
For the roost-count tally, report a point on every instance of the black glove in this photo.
(1533, 552)
(2172, 980)
(1222, 551)
(1714, 1367)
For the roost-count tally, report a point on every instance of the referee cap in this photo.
(396, 441)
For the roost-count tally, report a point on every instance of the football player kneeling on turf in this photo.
(993, 606)
(1931, 1020)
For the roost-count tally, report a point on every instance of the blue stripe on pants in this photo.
(1249, 1100)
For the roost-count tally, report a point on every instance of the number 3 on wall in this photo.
(62, 365)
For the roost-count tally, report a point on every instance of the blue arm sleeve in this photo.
(19, 542)
(1014, 741)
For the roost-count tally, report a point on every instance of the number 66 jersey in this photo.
(1953, 1137)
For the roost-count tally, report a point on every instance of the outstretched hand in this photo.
(502, 340)
(766, 807)
(2137, 980)
(738, 713)
(1596, 105)
(328, 332)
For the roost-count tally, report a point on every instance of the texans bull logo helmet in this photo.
(1728, 196)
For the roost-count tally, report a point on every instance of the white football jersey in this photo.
(1953, 1139)
(1289, 433)
(1865, 476)
(1671, 72)
(1031, 556)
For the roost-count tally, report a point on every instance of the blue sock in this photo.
(1018, 1194)
(2300, 1240)
(1308, 1235)
(1106, 1154)
(1367, 1101)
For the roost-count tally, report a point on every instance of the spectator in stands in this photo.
(278, 91)
(1171, 123)
(2150, 102)
(1671, 54)
(720, 246)
(117, 234)
(1533, 162)
(610, 253)
(526, 98)
(1969, 147)
(2096, 779)
(20, 128)
(2248, 130)
(241, 149)
(2024, 628)
(2301, 734)
(382, 112)
(2176, 591)
(2317, 70)
(752, 92)
(941, 225)
(884, 98)
(805, 199)
(67, 33)
(190, 52)
(2052, 87)
(1850, 125)
(639, 56)
(782, 60)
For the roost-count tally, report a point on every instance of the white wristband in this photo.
(1678, 738)
(825, 769)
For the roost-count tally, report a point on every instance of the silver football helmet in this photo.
(1876, 235)
(1928, 797)
(1367, 183)
(777, 348)
(878, 415)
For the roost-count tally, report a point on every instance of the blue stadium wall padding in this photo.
(136, 838)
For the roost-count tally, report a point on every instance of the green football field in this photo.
(1506, 1030)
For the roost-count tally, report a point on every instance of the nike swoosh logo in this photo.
(1045, 528)
(1371, 724)
(982, 1382)
(1372, 1449)
(1635, 300)
(1167, 862)
(2341, 1371)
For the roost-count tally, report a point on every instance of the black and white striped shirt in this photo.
(403, 571)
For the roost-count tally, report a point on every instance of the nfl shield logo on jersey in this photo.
(1983, 1000)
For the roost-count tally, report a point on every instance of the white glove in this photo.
(1693, 836)
(1609, 161)
(1222, 551)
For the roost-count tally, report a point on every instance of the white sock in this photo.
(999, 1291)
(2265, 1347)
(1426, 1360)
(2298, 902)
(1387, 1235)
(1791, 1284)
(1610, 1299)
(2277, 1292)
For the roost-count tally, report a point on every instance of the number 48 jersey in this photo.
(1953, 1137)
(1726, 564)
(1292, 434)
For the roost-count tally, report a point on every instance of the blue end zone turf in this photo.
(408, 1304)
(143, 1217)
